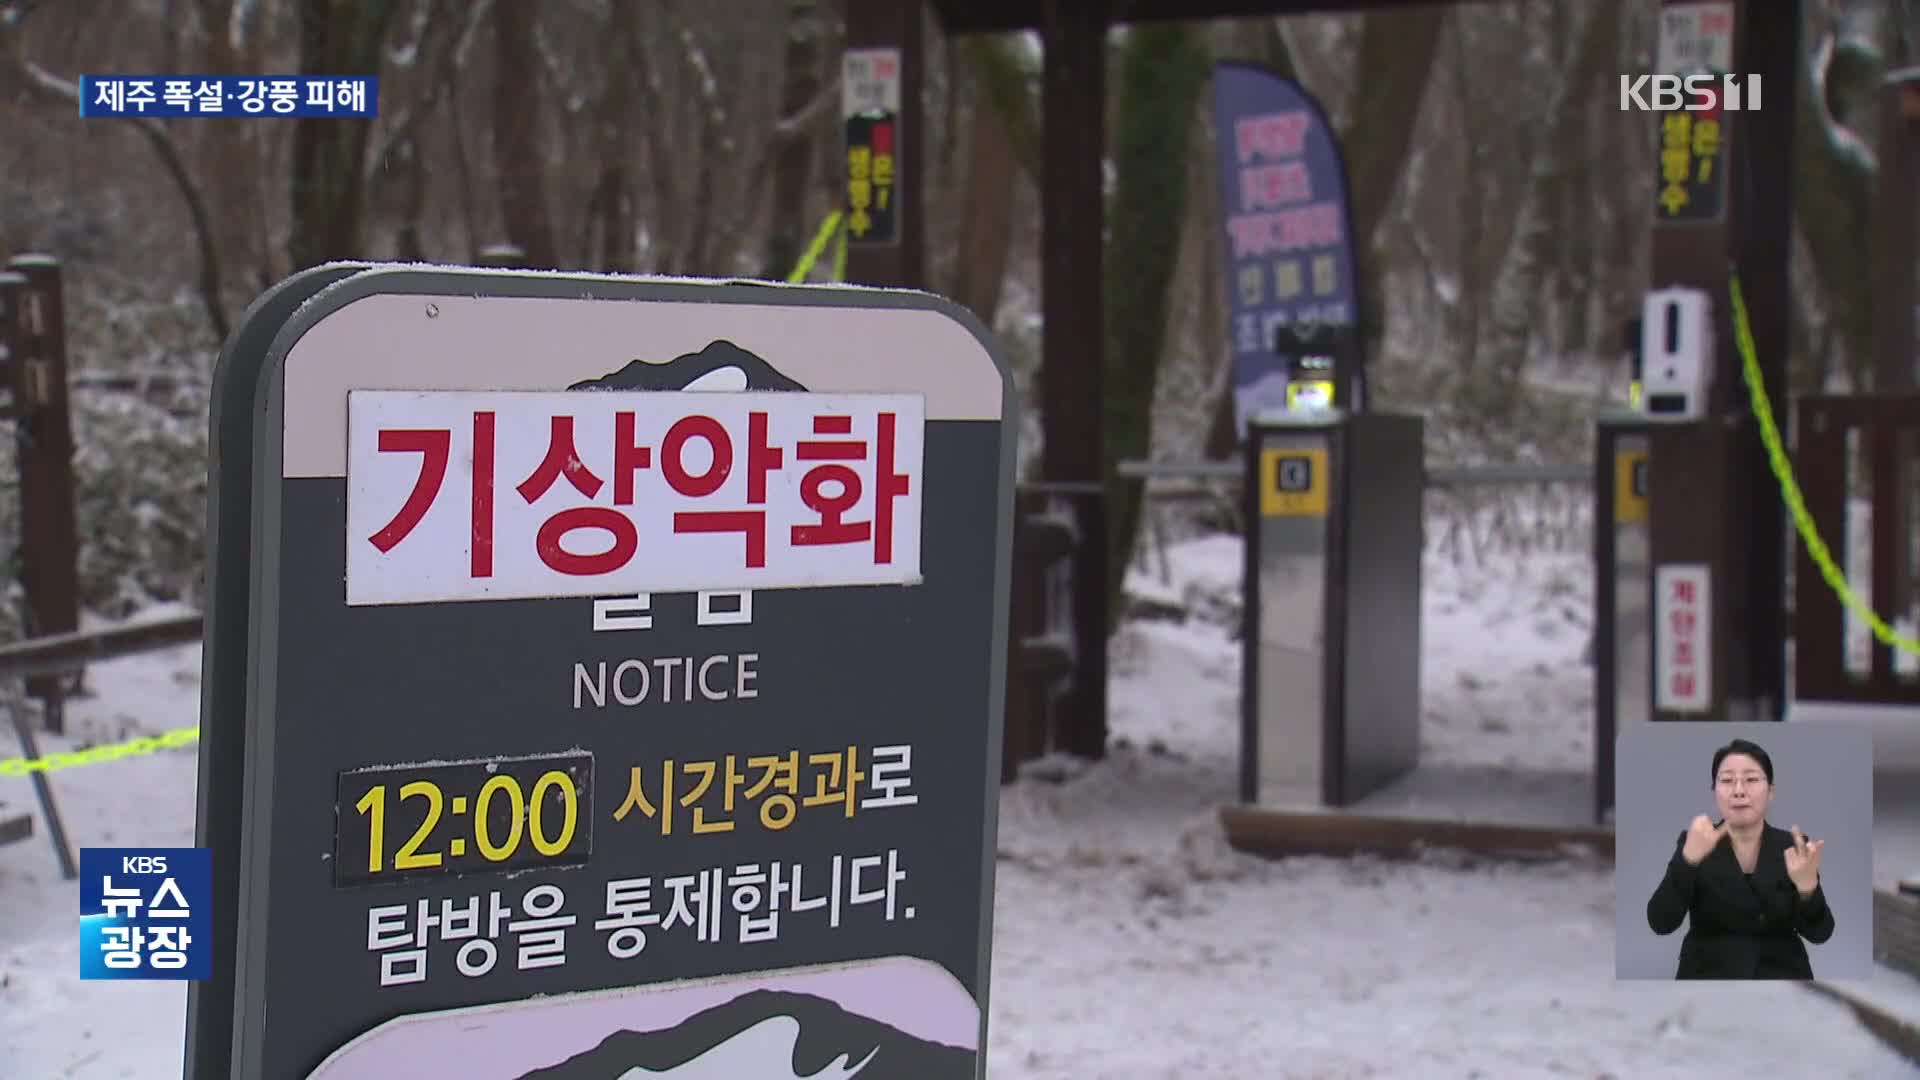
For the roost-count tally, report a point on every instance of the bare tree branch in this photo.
(404, 126)
(794, 125)
(52, 88)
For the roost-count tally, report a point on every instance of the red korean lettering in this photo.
(628, 458)
(1683, 653)
(561, 460)
(482, 546)
(831, 529)
(1683, 592)
(626, 540)
(435, 446)
(762, 457)
(889, 486)
(1683, 684)
(1684, 623)
(751, 524)
(673, 449)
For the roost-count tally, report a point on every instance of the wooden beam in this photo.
(56, 653)
(1003, 16)
(1283, 833)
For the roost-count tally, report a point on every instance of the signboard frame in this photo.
(247, 619)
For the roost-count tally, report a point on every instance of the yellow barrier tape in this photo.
(812, 255)
(67, 759)
(1790, 489)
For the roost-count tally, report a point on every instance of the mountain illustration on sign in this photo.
(721, 366)
(766, 1035)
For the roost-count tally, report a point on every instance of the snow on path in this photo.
(1129, 941)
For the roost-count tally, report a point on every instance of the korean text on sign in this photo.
(714, 792)
(229, 95)
(742, 904)
(510, 495)
(144, 913)
(1683, 604)
(1689, 155)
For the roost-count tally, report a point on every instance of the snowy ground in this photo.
(1129, 941)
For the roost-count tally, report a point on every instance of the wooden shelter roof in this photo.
(999, 16)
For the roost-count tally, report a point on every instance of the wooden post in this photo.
(49, 535)
(1073, 336)
(1762, 246)
(1895, 246)
(12, 285)
(1733, 211)
(1896, 233)
(883, 169)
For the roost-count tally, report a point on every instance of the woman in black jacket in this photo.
(1748, 891)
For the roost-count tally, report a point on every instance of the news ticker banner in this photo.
(229, 95)
(146, 913)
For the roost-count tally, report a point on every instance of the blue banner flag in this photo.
(1289, 234)
(146, 913)
(229, 95)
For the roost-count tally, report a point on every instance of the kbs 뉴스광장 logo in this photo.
(145, 913)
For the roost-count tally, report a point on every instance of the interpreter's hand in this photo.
(1702, 838)
(1803, 862)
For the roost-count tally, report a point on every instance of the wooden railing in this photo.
(61, 654)
(1847, 445)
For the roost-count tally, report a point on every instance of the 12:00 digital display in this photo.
(405, 821)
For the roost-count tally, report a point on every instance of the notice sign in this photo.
(870, 110)
(1682, 637)
(1695, 39)
(621, 686)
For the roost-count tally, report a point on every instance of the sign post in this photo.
(622, 681)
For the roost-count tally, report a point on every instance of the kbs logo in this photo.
(1690, 93)
(146, 913)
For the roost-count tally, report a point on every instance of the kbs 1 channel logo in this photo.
(146, 913)
(1700, 92)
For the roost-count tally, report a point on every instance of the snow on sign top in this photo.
(1696, 37)
(503, 495)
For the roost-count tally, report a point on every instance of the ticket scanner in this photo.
(1331, 663)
